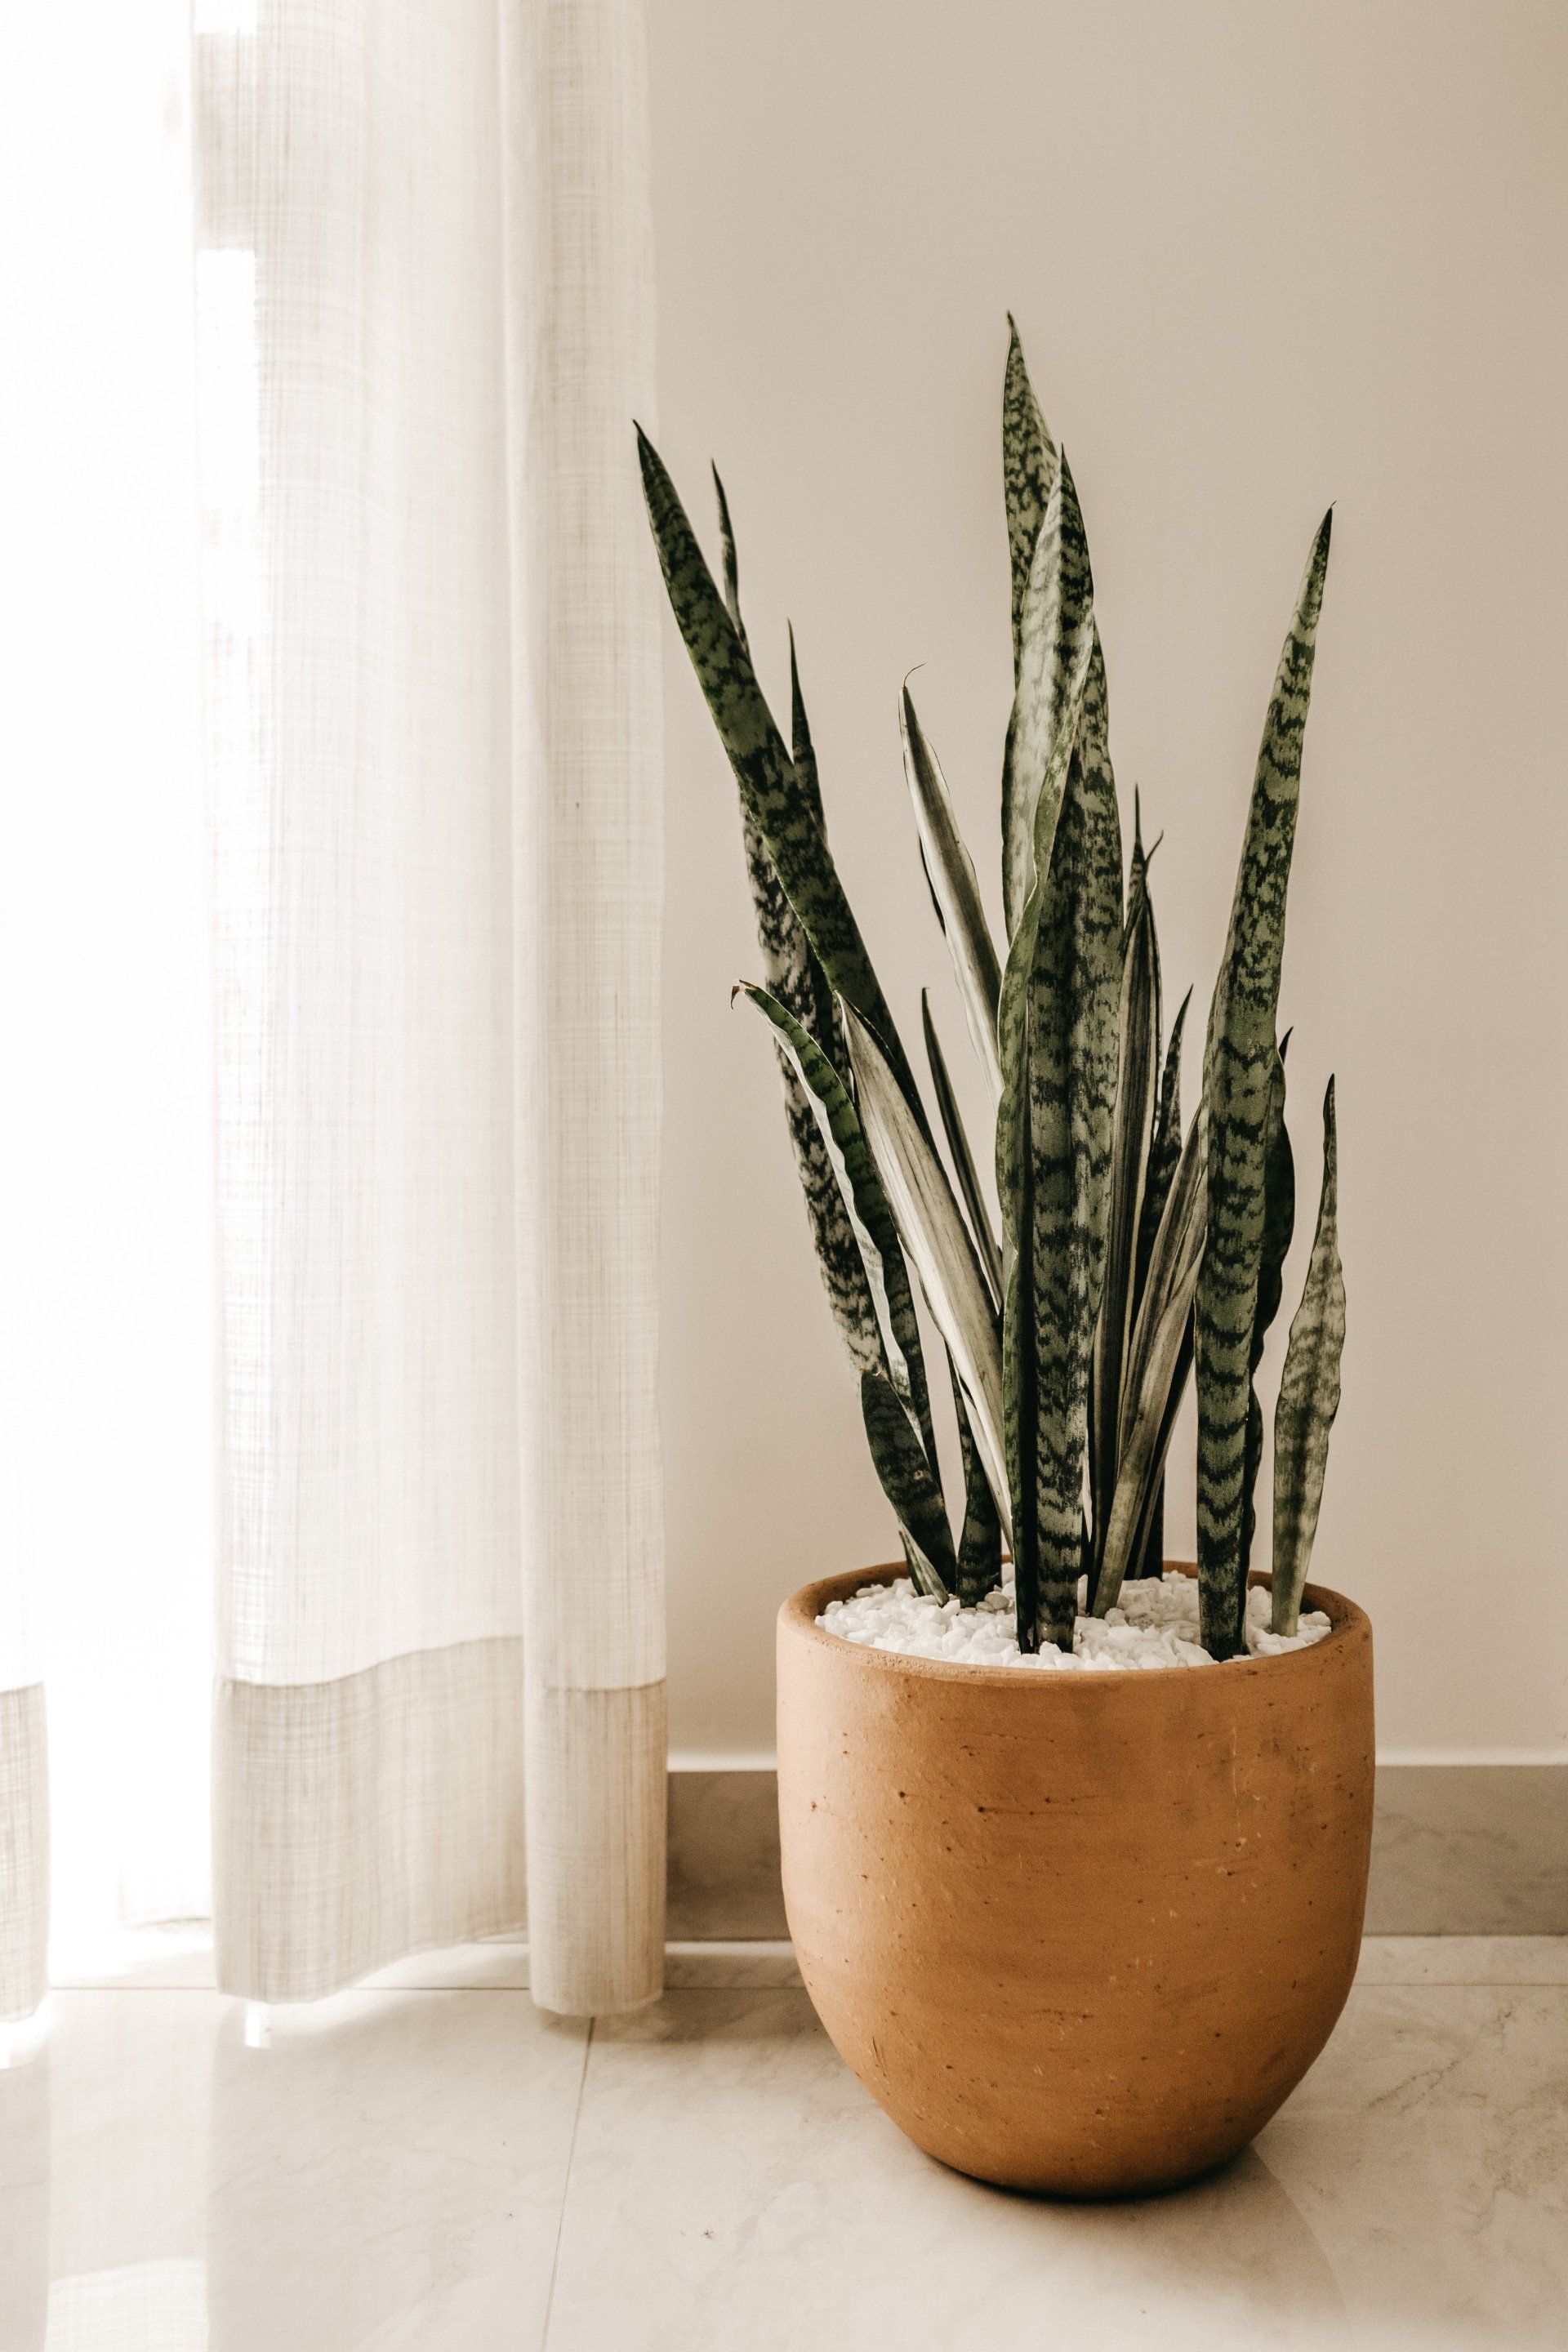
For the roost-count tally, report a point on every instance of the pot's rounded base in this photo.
(1078, 2173)
(1079, 1935)
(1075, 2188)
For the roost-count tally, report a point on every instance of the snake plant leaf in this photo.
(1137, 893)
(1308, 1396)
(1074, 993)
(783, 810)
(1238, 1062)
(1137, 1089)
(1016, 1187)
(1165, 1143)
(730, 558)
(1139, 860)
(1278, 1225)
(980, 1539)
(796, 981)
(1141, 1469)
(955, 892)
(894, 1402)
(1278, 1206)
(1072, 581)
(932, 1228)
(963, 1159)
(1165, 1152)
(1058, 611)
(1015, 1182)
(876, 1317)
(801, 749)
(905, 1471)
(1178, 1248)
(1148, 1537)
(1028, 470)
(1159, 1358)
(794, 975)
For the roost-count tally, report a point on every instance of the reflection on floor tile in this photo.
(733, 2185)
(145, 2307)
(391, 2175)
(388, 2173)
(1428, 2148)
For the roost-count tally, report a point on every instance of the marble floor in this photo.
(429, 2165)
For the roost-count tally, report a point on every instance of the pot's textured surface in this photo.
(1077, 1933)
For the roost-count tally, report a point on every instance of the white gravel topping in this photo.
(1154, 1624)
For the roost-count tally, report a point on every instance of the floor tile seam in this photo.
(566, 2187)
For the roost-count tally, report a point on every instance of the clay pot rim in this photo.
(798, 1615)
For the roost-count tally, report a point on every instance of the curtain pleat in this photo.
(589, 890)
(433, 740)
(360, 1819)
(24, 1852)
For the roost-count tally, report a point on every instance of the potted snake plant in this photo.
(1080, 1926)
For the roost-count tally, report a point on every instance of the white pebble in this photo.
(1153, 1625)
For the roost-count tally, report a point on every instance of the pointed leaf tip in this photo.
(950, 873)
(1309, 1397)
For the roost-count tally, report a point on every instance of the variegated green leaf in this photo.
(932, 1228)
(1052, 1196)
(1178, 1248)
(1164, 1151)
(1058, 612)
(1020, 1378)
(1165, 1143)
(1028, 470)
(1072, 591)
(954, 890)
(1137, 1089)
(1308, 1396)
(962, 1159)
(1016, 1165)
(796, 980)
(980, 1541)
(1137, 893)
(783, 810)
(1138, 865)
(1141, 1470)
(1158, 1361)
(1278, 1225)
(1074, 989)
(884, 1335)
(801, 748)
(1238, 1067)
(730, 560)
(907, 1481)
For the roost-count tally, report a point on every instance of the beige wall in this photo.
(1262, 257)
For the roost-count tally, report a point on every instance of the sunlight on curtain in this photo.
(105, 1310)
(158, 2307)
(425, 323)
(331, 540)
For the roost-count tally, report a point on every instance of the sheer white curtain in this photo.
(423, 324)
(105, 1176)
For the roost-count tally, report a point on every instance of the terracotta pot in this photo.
(1077, 1933)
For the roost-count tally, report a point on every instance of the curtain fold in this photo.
(423, 321)
(24, 1852)
(589, 886)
